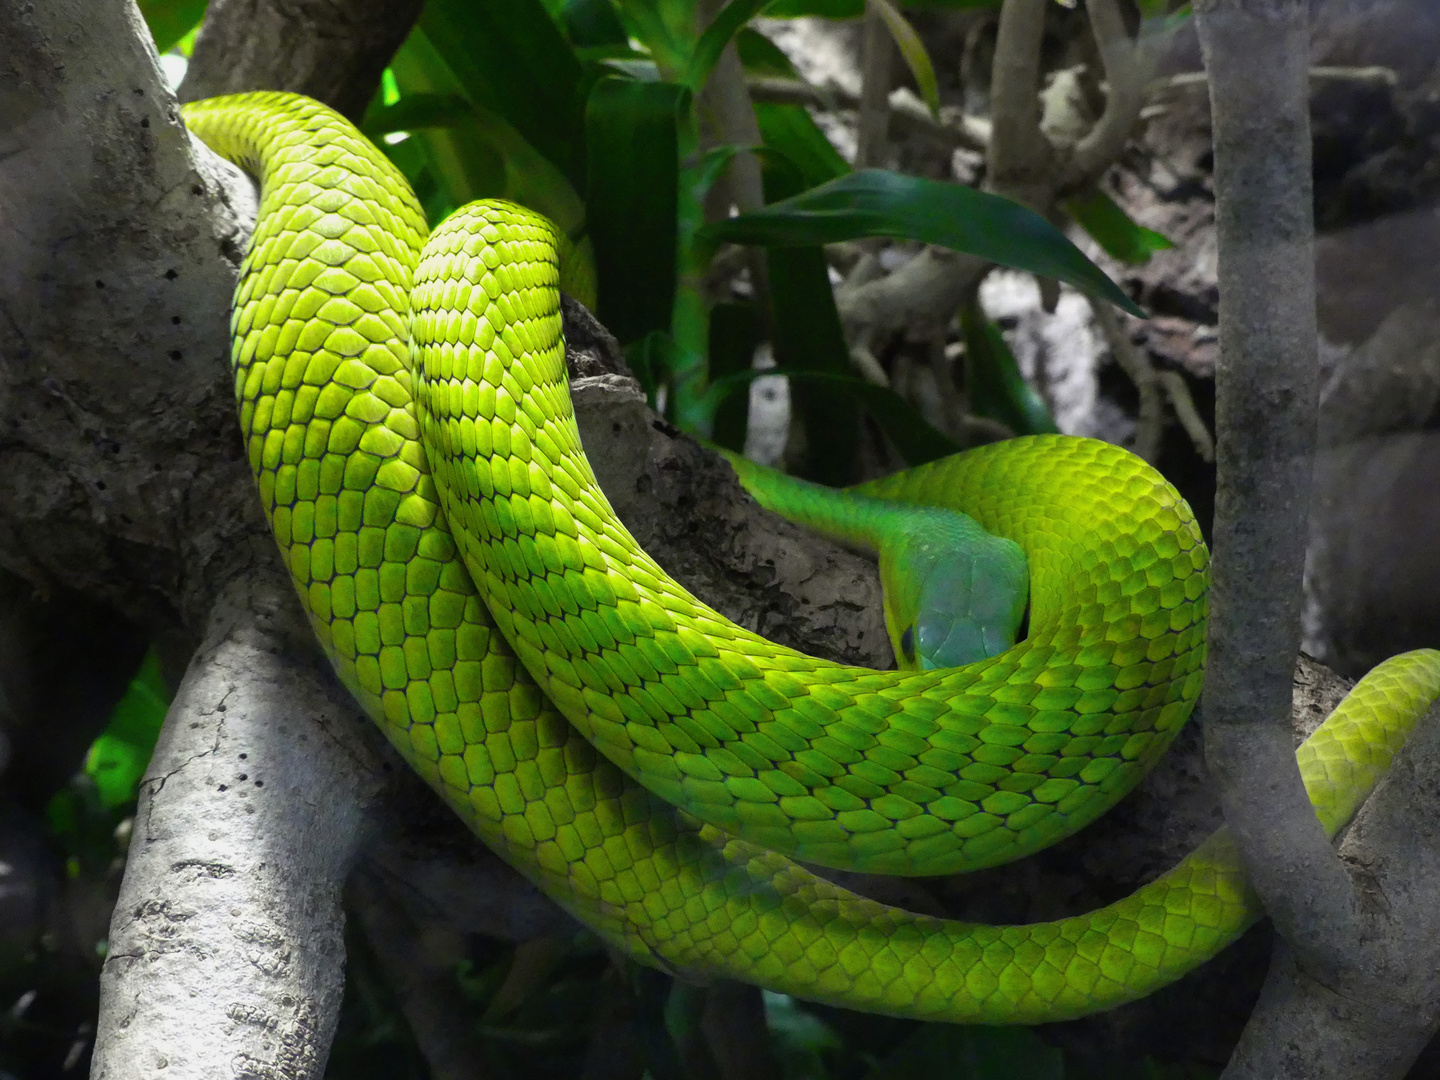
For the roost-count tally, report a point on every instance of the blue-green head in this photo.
(954, 594)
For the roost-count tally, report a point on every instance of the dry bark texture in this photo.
(332, 51)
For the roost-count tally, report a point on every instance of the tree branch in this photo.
(1021, 161)
(1128, 67)
(955, 129)
(333, 52)
(1375, 1021)
(225, 948)
(1257, 56)
(874, 120)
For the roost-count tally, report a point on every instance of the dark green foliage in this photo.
(873, 202)
(631, 191)
(171, 20)
(1101, 217)
(734, 334)
(997, 389)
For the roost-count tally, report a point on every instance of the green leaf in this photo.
(734, 335)
(472, 151)
(874, 202)
(171, 20)
(993, 381)
(1112, 228)
(913, 50)
(914, 437)
(666, 27)
(632, 191)
(118, 757)
(651, 359)
(412, 112)
(792, 131)
(788, 129)
(826, 9)
(853, 9)
(593, 23)
(652, 992)
(806, 335)
(733, 16)
(972, 1052)
(799, 1038)
(761, 56)
(509, 57)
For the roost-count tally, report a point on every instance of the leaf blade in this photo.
(874, 202)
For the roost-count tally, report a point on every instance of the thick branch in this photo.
(249, 816)
(118, 472)
(1375, 1020)
(1257, 56)
(1021, 158)
(334, 52)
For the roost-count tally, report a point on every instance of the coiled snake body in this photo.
(650, 765)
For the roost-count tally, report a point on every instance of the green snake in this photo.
(657, 770)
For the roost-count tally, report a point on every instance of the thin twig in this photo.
(877, 53)
(1149, 424)
(1193, 80)
(954, 129)
(1127, 67)
(1177, 391)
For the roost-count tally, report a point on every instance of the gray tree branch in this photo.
(1257, 54)
(1373, 1020)
(225, 949)
(332, 51)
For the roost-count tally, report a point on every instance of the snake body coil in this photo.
(393, 491)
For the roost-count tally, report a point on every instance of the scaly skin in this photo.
(328, 408)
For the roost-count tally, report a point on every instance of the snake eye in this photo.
(907, 644)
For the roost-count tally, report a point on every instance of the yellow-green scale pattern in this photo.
(885, 772)
(325, 396)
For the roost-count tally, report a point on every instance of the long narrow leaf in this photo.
(666, 30)
(1113, 229)
(993, 381)
(717, 35)
(734, 334)
(415, 111)
(633, 184)
(788, 129)
(914, 437)
(874, 202)
(509, 56)
(807, 336)
(912, 49)
(593, 23)
(473, 152)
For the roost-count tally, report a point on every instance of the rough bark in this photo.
(1353, 991)
(226, 956)
(1266, 393)
(332, 51)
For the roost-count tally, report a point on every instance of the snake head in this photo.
(952, 601)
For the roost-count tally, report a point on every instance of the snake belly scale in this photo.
(652, 767)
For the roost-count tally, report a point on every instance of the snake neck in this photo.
(859, 522)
